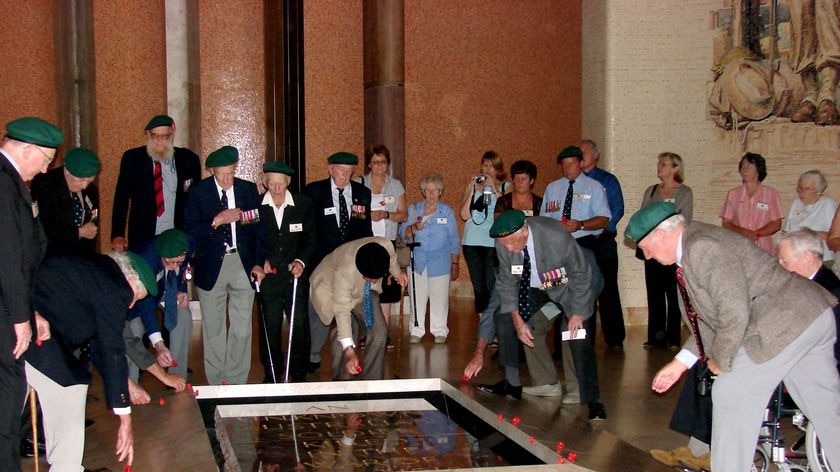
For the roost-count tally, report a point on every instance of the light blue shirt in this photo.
(589, 201)
(438, 239)
(477, 228)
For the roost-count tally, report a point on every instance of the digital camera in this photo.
(480, 178)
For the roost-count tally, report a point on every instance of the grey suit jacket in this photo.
(744, 297)
(554, 248)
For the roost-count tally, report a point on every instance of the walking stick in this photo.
(33, 412)
(265, 331)
(291, 331)
(411, 246)
(399, 334)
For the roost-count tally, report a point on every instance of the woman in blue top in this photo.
(477, 205)
(432, 224)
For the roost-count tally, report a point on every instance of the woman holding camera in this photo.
(477, 205)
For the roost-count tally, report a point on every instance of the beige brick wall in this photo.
(646, 69)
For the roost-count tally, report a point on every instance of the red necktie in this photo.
(158, 189)
(689, 311)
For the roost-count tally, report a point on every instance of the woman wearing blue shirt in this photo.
(432, 224)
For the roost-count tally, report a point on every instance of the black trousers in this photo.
(482, 263)
(605, 250)
(12, 395)
(664, 322)
(276, 299)
(693, 413)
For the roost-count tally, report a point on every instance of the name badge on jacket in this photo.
(528, 212)
(516, 269)
(296, 227)
(441, 220)
(329, 211)
(390, 199)
(581, 196)
(762, 206)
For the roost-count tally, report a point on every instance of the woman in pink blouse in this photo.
(752, 209)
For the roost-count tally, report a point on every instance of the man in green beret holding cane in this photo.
(28, 148)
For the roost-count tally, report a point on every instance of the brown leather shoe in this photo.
(804, 114)
(827, 114)
(672, 458)
(703, 462)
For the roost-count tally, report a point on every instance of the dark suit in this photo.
(761, 324)
(829, 281)
(329, 238)
(22, 249)
(84, 298)
(227, 352)
(135, 185)
(53, 196)
(287, 241)
(554, 249)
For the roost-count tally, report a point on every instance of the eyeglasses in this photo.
(159, 136)
(379, 163)
(46, 157)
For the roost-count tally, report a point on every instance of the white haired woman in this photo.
(812, 209)
(432, 224)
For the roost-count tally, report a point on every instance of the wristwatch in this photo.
(387, 215)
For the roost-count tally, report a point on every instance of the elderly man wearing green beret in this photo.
(222, 216)
(544, 274)
(342, 214)
(68, 200)
(290, 235)
(152, 187)
(754, 324)
(27, 149)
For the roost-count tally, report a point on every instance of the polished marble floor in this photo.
(170, 437)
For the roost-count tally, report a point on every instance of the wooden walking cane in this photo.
(33, 411)
(399, 333)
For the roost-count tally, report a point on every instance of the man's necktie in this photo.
(525, 305)
(158, 189)
(692, 315)
(170, 301)
(368, 302)
(567, 203)
(78, 209)
(225, 228)
(343, 216)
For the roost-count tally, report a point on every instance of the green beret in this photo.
(81, 163)
(35, 131)
(224, 156)
(507, 223)
(278, 167)
(570, 151)
(160, 120)
(342, 157)
(171, 243)
(648, 218)
(144, 272)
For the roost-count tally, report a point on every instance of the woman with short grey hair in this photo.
(812, 209)
(432, 224)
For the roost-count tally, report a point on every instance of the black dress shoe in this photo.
(502, 388)
(597, 411)
(27, 449)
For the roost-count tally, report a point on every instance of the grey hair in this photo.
(803, 241)
(124, 263)
(672, 222)
(432, 178)
(594, 146)
(815, 177)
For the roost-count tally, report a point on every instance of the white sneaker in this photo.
(547, 390)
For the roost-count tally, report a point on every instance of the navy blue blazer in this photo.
(327, 224)
(203, 204)
(135, 184)
(56, 206)
(83, 298)
(146, 308)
